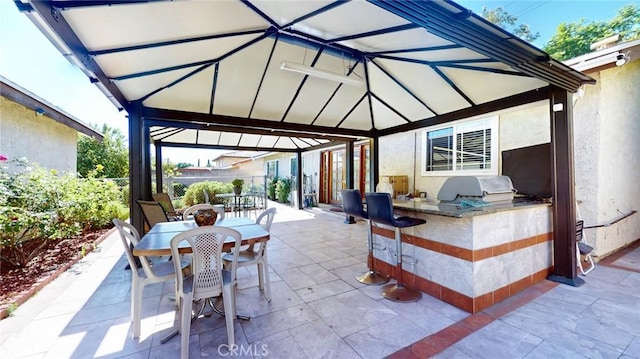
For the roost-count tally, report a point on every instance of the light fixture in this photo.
(39, 111)
(321, 74)
(622, 59)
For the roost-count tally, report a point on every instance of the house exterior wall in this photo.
(607, 147)
(39, 139)
(532, 120)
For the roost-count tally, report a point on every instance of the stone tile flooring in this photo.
(319, 310)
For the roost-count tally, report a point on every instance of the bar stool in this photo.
(352, 206)
(380, 210)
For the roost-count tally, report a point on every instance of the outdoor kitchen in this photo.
(480, 244)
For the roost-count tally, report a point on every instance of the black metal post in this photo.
(299, 184)
(349, 168)
(564, 202)
(158, 145)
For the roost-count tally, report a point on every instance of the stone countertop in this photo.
(459, 211)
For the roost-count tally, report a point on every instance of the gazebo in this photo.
(296, 76)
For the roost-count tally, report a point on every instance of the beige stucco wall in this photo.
(39, 139)
(607, 146)
(402, 154)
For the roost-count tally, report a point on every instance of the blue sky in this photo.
(545, 16)
(28, 58)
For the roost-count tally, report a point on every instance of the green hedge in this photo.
(38, 204)
(195, 194)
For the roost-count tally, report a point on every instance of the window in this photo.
(465, 148)
(272, 169)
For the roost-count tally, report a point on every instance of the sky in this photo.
(28, 59)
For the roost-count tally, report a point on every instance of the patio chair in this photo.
(152, 212)
(583, 250)
(208, 280)
(149, 273)
(255, 256)
(188, 212)
(166, 203)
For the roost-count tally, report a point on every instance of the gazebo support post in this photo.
(564, 201)
(137, 157)
(159, 184)
(299, 184)
(348, 165)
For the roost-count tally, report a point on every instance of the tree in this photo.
(575, 39)
(500, 17)
(110, 155)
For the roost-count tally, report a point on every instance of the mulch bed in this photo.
(19, 284)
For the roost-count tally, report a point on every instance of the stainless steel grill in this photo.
(483, 188)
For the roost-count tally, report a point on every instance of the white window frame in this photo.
(458, 127)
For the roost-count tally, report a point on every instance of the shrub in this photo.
(195, 194)
(37, 205)
(271, 188)
(283, 188)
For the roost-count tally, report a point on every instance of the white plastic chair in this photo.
(208, 280)
(148, 273)
(187, 213)
(252, 255)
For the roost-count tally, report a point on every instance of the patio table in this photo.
(156, 241)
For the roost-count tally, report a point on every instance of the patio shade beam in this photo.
(309, 15)
(484, 69)
(368, 84)
(453, 85)
(207, 62)
(433, 63)
(228, 147)
(389, 30)
(488, 107)
(186, 117)
(353, 108)
(459, 30)
(391, 108)
(264, 74)
(214, 86)
(417, 49)
(403, 86)
(41, 11)
(172, 128)
(66, 4)
(175, 42)
(159, 135)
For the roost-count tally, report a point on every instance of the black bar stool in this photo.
(380, 210)
(352, 206)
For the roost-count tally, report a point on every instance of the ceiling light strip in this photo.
(319, 73)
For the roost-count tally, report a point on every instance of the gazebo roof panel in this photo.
(152, 22)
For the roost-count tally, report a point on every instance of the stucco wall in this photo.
(39, 139)
(607, 134)
(532, 120)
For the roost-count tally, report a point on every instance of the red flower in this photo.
(3, 158)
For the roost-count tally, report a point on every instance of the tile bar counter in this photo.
(471, 257)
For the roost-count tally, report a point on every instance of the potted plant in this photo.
(237, 185)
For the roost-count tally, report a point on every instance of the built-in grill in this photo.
(479, 188)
